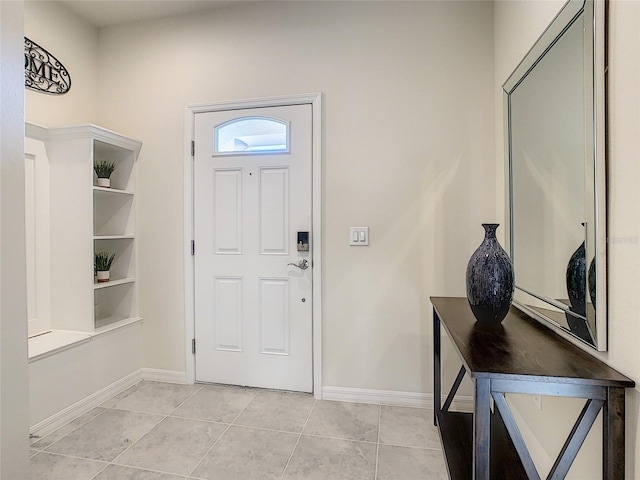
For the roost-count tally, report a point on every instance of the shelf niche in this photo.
(112, 214)
(123, 177)
(114, 304)
(124, 263)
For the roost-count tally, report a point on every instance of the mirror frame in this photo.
(595, 151)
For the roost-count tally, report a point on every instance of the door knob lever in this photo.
(303, 264)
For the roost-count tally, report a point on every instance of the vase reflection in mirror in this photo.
(578, 281)
(490, 280)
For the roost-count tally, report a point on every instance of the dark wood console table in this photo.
(520, 356)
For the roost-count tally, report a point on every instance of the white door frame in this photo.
(315, 99)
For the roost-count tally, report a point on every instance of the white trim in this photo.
(82, 132)
(81, 407)
(279, 101)
(37, 132)
(53, 342)
(166, 376)
(315, 99)
(392, 397)
(96, 399)
(56, 341)
(189, 283)
(317, 267)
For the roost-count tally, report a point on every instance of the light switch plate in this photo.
(359, 236)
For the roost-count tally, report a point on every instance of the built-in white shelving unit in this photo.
(86, 219)
(85, 338)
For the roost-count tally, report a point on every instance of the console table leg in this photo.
(481, 430)
(436, 368)
(613, 435)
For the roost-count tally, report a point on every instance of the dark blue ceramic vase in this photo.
(490, 279)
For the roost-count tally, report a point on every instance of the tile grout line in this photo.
(104, 465)
(233, 422)
(342, 439)
(81, 425)
(94, 417)
(249, 427)
(105, 409)
(143, 469)
(147, 469)
(75, 457)
(164, 417)
(315, 402)
(221, 435)
(100, 471)
(189, 475)
(186, 400)
(113, 460)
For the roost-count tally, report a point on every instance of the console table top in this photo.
(520, 347)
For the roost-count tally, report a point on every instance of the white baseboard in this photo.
(72, 412)
(166, 376)
(342, 394)
(393, 398)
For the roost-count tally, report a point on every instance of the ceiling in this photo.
(102, 13)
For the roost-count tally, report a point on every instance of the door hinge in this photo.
(193, 346)
(193, 247)
(193, 148)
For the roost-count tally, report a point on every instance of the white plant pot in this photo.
(104, 182)
(102, 276)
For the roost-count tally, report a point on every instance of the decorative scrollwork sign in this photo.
(43, 72)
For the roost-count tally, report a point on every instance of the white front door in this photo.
(252, 204)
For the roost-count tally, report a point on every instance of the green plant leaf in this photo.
(103, 261)
(104, 168)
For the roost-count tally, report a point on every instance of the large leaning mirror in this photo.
(554, 140)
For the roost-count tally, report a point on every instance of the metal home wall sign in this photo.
(43, 72)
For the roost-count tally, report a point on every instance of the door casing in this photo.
(315, 100)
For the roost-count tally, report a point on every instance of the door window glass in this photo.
(251, 135)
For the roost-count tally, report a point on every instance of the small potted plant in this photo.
(102, 265)
(104, 169)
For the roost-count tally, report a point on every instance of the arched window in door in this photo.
(251, 135)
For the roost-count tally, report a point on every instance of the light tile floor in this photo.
(161, 431)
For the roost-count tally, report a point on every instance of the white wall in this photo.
(75, 44)
(408, 151)
(517, 26)
(13, 298)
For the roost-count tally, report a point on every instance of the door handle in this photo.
(303, 264)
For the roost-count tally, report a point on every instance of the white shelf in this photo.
(115, 191)
(107, 324)
(114, 237)
(55, 341)
(113, 283)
